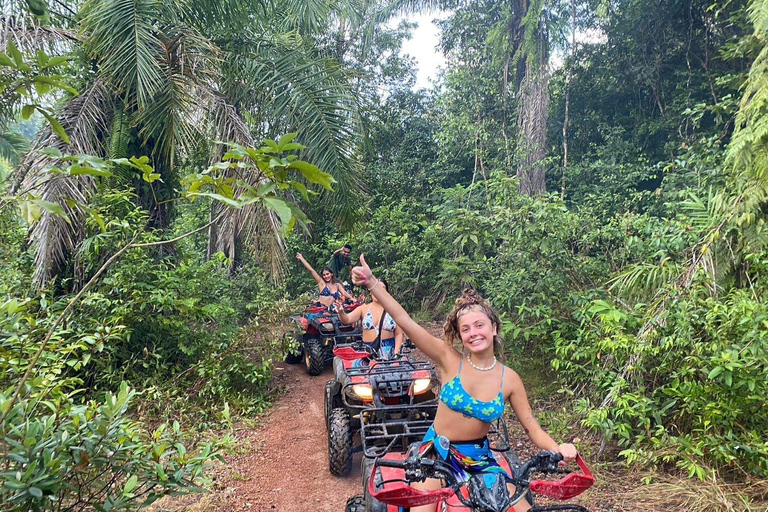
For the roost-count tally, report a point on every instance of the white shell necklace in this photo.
(481, 368)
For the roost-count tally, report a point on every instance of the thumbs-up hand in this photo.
(361, 274)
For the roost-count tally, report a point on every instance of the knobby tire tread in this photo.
(355, 504)
(340, 443)
(313, 358)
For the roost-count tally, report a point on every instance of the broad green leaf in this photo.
(130, 484)
(27, 111)
(55, 125)
(285, 139)
(15, 54)
(52, 152)
(5, 60)
(217, 197)
(55, 83)
(56, 61)
(52, 208)
(42, 88)
(301, 188)
(77, 170)
(313, 174)
(271, 147)
(235, 152)
(293, 146)
(30, 212)
(280, 207)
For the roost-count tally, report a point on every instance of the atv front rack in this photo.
(394, 428)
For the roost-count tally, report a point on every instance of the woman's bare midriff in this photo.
(457, 427)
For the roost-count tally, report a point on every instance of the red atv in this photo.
(387, 483)
(319, 330)
(374, 392)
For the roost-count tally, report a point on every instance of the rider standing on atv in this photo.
(329, 287)
(475, 385)
(378, 332)
(340, 259)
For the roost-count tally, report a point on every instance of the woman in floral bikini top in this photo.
(391, 336)
(474, 393)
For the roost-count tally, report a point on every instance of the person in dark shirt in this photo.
(340, 259)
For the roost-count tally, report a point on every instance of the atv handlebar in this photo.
(479, 496)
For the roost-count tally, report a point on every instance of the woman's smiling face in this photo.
(327, 276)
(477, 331)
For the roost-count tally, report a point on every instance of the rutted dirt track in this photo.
(283, 464)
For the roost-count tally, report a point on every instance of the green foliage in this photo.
(62, 455)
(24, 84)
(64, 451)
(689, 393)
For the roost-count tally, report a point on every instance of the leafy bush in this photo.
(63, 455)
(685, 386)
(63, 451)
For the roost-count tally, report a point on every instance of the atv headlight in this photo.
(328, 326)
(363, 391)
(421, 385)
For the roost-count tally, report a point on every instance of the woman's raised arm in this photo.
(518, 399)
(348, 318)
(306, 264)
(435, 348)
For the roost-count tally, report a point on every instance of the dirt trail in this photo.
(283, 464)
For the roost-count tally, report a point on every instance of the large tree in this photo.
(168, 76)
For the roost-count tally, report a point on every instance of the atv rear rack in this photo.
(392, 379)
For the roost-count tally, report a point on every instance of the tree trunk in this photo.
(568, 78)
(532, 127)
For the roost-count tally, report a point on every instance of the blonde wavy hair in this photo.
(472, 301)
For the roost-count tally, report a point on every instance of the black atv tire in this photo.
(371, 503)
(340, 443)
(331, 402)
(291, 358)
(355, 504)
(313, 356)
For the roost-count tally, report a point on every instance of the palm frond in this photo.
(131, 53)
(310, 96)
(13, 146)
(29, 35)
(85, 119)
(255, 225)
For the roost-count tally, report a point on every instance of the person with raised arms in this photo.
(329, 287)
(475, 385)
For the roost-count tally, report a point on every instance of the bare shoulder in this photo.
(513, 384)
(452, 359)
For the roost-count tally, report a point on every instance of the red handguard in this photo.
(567, 487)
(396, 491)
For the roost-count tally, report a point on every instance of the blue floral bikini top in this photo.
(458, 399)
(387, 325)
(326, 292)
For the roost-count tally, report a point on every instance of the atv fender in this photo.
(300, 322)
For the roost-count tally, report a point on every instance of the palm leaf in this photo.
(124, 37)
(13, 145)
(85, 119)
(309, 96)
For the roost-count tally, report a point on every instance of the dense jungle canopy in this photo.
(598, 169)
